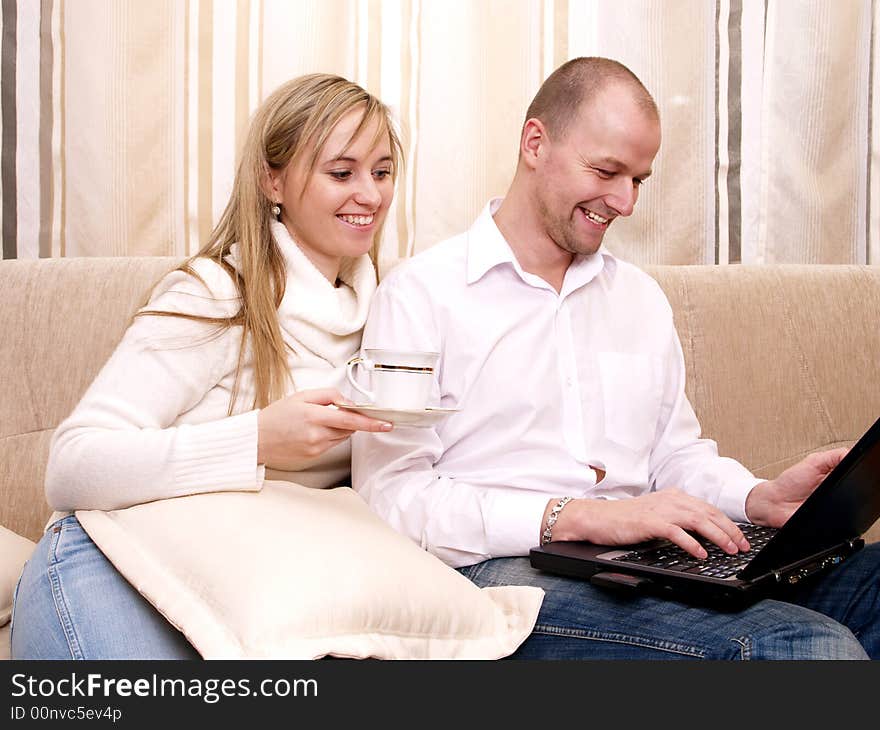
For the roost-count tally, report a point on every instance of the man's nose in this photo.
(623, 198)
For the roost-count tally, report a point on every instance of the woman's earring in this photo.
(276, 210)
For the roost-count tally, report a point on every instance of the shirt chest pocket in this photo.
(631, 397)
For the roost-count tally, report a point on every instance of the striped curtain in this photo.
(121, 119)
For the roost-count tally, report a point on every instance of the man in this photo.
(574, 424)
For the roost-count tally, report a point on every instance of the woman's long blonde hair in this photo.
(296, 117)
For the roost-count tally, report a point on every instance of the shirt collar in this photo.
(487, 248)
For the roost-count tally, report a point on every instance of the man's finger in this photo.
(686, 542)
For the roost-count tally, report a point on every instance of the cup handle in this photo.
(348, 371)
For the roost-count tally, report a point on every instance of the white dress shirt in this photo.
(549, 385)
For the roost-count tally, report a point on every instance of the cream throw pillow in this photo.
(296, 573)
(14, 552)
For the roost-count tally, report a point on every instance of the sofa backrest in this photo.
(780, 359)
(60, 319)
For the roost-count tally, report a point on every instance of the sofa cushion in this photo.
(14, 552)
(298, 573)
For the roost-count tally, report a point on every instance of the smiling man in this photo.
(574, 425)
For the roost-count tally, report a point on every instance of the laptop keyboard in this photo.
(718, 564)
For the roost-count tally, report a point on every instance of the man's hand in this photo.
(772, 503)
(668, 514)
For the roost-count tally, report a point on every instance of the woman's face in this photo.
(334, 211)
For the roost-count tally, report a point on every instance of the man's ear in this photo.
(533, 142)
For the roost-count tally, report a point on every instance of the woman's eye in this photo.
(341, 174)
(381, 174)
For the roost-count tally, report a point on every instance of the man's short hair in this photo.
(578, 81)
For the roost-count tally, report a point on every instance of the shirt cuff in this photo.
(732, 500)
(520, 517)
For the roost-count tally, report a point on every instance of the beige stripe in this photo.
(374, 60)
(29, 181)
(407, 91)
(242, 72)
(560, 33)
(8, 187)
(546, 33)
(46, 119)
(416, 50)
(187, 12)
(357, 43)
(873, 252)
(722, 243)
(119, 125)
(261, 51)
(205, 117)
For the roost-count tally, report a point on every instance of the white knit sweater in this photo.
(153, 424)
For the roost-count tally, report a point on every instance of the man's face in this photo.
(592, 174)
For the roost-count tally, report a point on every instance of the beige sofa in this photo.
(780, 361)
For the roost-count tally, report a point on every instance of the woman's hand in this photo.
(304, 425)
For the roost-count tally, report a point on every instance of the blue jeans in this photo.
(71, 603)
(837, 617)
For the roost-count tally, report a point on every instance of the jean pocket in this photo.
(67, 538)
(631, 397)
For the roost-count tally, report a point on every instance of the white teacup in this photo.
(400, 380)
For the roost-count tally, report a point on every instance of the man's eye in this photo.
(605, 174)
(638, 182)
(341, 174)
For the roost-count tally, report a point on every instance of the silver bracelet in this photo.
(547, 535)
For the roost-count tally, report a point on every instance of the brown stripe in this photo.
(9, 52)
(45, 132)
(206, 116)
(734, 133)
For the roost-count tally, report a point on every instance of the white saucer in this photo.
(418, 418)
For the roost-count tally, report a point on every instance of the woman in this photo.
(231, 370)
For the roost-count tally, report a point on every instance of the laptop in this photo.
(825, 530)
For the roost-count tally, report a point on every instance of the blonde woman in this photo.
(231, 370)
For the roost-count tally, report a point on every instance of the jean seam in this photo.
(640, 641)
(14, 600)
(745, 650)
(61, 607)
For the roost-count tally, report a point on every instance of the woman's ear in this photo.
(271, 183)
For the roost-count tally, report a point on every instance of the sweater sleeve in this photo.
(129, 441)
